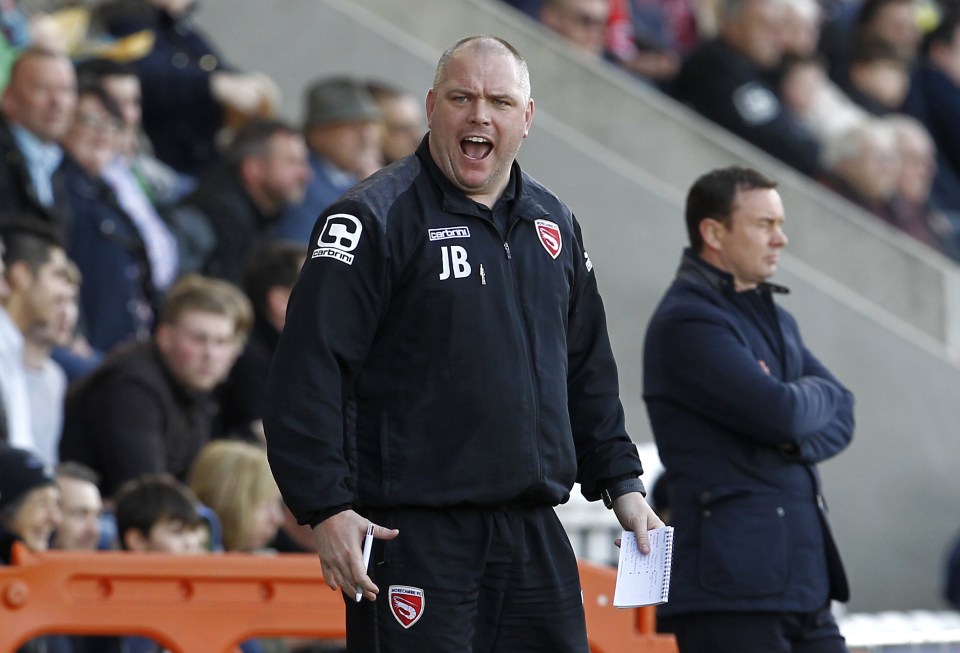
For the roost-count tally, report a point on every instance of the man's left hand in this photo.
(635, 514)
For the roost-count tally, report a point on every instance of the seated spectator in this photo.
(29, 502)
(29, 513)
(893, 22)
(46, 380)
(917, 209)
(71, 349)
(580, 22)
(934, 99)
(666, 25)
(863, 165)
(404, 120)
(726, 80)
(890, 22)
(37, 275)
(268, 281)
(118, 298)
(81, 507)
(234, 479)
(154, 514)
(142, 183)
(815, 100)
(148, 408)
(37, 108)
(157, 514)
(341, 127)
(264, 172)
(653, 57)
(878, 78)
(188, 89)
(162, 185)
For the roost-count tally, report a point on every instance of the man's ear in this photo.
(19, 276)
(162, 335)
(430, 105)
(711, 232)
(251, 171)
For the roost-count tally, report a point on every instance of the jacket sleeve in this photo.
(605, 452)
(332, 315)
(838, 433)
(714, 373)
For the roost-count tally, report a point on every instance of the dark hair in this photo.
(94, 89)
(713, 195)
(29, 238)
(870, 8)
(151, 498)
(251, 139)
(94, 70)
(275, 264)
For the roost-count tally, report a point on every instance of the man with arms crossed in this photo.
(742, 412)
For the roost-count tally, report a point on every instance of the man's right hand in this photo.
(340, 547)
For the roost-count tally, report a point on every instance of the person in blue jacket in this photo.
(742, 412)
(444, 374)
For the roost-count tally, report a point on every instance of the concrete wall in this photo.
(873, 305)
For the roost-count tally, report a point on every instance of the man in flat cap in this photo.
(341, 127)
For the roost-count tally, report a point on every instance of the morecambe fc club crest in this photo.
(406, 604)
(549, 234)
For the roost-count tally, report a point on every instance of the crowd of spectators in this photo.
(838, 89)
(154, 214)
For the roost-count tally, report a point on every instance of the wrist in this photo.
(613, 492)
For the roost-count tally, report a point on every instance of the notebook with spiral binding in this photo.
(644, 579)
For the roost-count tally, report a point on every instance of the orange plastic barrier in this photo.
(205, 604)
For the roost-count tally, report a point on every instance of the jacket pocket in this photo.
(743, 543)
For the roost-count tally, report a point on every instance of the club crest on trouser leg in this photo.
(406, 604)
(549, 234)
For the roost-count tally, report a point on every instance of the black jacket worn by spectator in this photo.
(429, 360)
(131, 417)
(18, 195)
(237, 226)
(732, 91)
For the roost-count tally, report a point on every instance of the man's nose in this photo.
(481, 113)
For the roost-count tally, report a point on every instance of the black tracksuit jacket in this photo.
(429, 361)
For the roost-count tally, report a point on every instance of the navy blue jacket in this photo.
(180, 115)
(732, 91)
(117, 295)
(430, 360)
(740, 444)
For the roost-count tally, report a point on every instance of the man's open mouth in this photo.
(476, 147)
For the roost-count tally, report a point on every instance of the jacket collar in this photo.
(695, 270)
(453, 200)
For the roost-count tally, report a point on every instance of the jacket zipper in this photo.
(528, 358)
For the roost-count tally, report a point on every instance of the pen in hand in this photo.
(367, 548)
